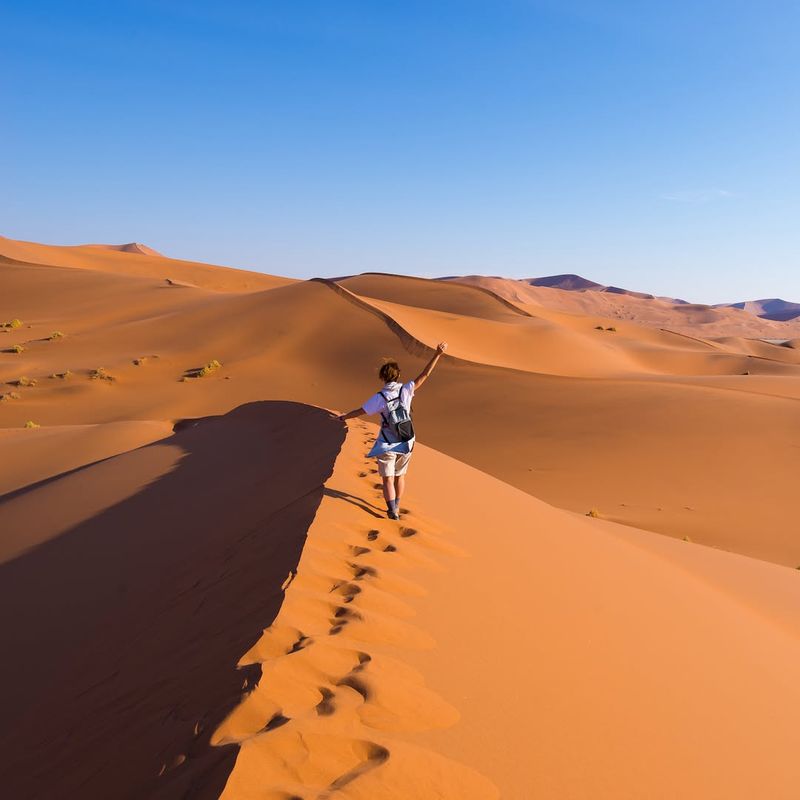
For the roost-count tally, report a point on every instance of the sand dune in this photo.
(692, 319)
(147, 603)
(130, 247)
(133, 260)
(492, 645)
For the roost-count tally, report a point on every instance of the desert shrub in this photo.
(15, 323)
(31, 424)
(101, 374)
(62, 375)
(4, 398)
(55, 335)
(207, 369)
(686, 539)
(593, 512)
(24, 381)
(17, 348)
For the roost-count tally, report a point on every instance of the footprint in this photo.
(373, 755)
(362, 474)
(348, 591)
(390, 548)
(406, 532)
(373, 535)
(276, 721)
(360, 572)
(326, 706)
(302, 641)
(356, 685)
(357, 550)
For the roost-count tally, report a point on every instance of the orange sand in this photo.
(224, 610)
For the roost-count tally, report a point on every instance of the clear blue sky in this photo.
(653, 145)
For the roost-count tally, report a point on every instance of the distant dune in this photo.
(130, 247)
(773, 308)
(592, 593)
(576, 295)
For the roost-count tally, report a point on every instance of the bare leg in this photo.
(388, 488)
(399, 487)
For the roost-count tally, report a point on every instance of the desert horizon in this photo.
(400, 401)
(597, 527)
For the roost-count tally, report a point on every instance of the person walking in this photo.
(395, 441)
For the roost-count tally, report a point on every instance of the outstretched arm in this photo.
(356, 412)
(423, 376)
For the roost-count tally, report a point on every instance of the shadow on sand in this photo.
(121, 636)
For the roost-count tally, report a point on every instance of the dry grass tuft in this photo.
(55, 335)
(31, 424)
(24, 381)
(16, 348)
(4, 398)
(15, 323)
(62, 375)
(101, 374)
(593, 512)
(204, 371)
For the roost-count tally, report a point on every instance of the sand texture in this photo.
(202, 596)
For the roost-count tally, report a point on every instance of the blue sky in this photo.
(652, 145)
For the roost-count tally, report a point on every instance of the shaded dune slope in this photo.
(135, 616)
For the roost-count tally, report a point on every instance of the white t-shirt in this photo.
(378, 405)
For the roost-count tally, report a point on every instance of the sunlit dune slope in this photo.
(698, 320)
(135, 261)
(560, 343)
(707, 457)
(28, 459)
(424, 659)
(129, 247)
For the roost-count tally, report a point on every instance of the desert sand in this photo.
(203, 597)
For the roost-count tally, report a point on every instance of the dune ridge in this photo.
(332, 712)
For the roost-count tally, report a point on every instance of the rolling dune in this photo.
(493, 644)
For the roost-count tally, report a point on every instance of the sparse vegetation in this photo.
(204, 371)
(593, 512)
(56, 335)
(15, 323)
(101, 374)
(686, 539)
(4, 398)
(24, 381)
(31, 424)
(207, 369)
(62, 375)
(16, 348)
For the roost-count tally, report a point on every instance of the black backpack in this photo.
(397, 420)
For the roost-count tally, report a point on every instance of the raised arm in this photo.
(423, 376)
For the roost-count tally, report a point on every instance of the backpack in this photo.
(397, 420)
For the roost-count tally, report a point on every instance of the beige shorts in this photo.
(392, 465)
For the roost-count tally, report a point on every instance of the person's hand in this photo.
(441, 347)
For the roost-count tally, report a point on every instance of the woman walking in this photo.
(395, 441)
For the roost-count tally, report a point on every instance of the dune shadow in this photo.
(121, 636)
